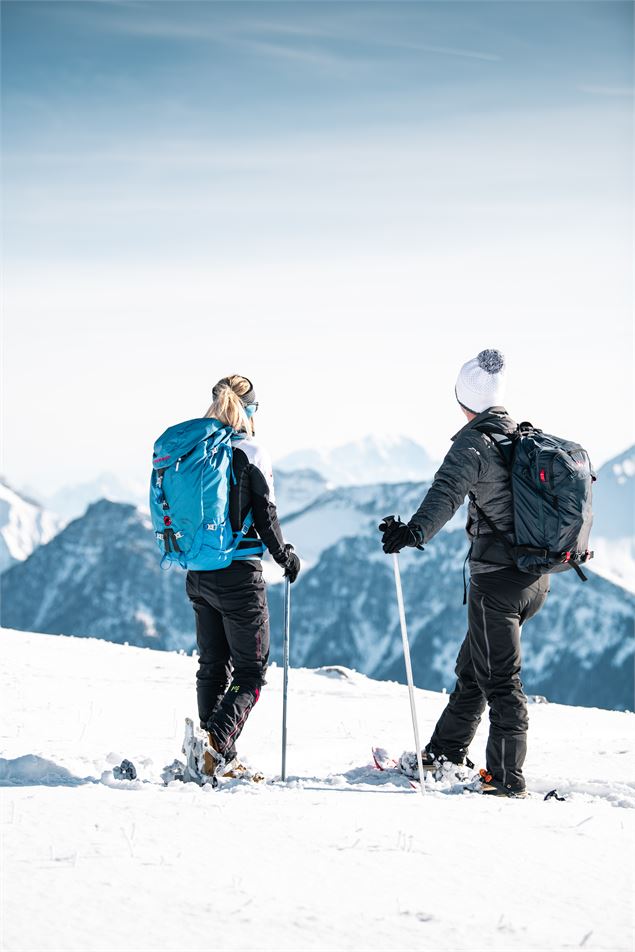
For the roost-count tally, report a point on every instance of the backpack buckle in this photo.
(211, 526)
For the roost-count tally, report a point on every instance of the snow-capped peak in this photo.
(613, 533)
(24, 525)
(375, 458)
(623, 466)
(72, 501)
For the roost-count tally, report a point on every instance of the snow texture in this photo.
(341, 856)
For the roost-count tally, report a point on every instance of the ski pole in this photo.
(285, 677)
(406, 654)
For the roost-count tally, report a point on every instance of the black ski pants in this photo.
(232, 633)
(488, 672)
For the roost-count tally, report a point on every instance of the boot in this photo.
(213, 761)
(496, 788)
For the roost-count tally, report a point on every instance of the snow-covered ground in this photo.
(340, 857)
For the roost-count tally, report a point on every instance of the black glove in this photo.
(292, 565)
(397, 535)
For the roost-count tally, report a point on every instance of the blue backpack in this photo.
(189, 496)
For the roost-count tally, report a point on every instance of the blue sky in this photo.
(342, 201)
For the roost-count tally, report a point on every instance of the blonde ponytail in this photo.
(227, 405)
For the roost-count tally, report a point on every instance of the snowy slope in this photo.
(613, 535)
(23, 526)
(339, 857)
(373, 459)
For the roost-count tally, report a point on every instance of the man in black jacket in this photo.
(501, 597)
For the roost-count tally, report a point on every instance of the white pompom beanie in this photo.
(481, 382)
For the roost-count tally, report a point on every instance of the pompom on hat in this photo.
(481, 381)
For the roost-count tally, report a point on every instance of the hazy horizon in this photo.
(40, 489)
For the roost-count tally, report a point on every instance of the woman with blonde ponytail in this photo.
(228, 406)
(230, 603)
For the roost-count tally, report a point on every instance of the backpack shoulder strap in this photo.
(511, 548)
(514, 550)
(502, 441)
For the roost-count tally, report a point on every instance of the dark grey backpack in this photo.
(551, 482)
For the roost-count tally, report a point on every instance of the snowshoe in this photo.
(235, 770)
(125, 771)
(173, 771)
(383, 760)
(203, 764)
(438, 768)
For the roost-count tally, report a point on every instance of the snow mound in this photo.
(336, 671)
(31, 771)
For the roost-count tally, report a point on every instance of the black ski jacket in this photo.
(473, 464)
(253, 490)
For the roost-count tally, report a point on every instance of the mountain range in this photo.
(100, 576)
(302, 477)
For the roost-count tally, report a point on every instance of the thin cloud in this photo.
(448, 51)
(161, 25)
(256, 34)
(310, 57)
(615, 91)
(286, 29)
